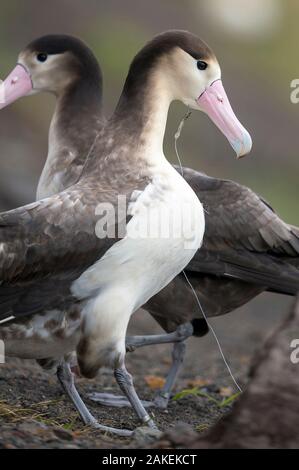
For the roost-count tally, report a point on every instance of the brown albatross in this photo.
(75, 79)
(53, 266)
(218, 293)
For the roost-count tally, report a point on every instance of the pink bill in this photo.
(17, 84)
(215, 104)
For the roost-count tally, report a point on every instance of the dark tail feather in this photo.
(273, 274)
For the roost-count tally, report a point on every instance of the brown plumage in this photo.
(46, 246)
(246, 250)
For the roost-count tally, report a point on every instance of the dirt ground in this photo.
(34, 413)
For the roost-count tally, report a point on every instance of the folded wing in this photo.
(244, 237)
(44, 247)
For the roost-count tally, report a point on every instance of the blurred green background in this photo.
(255, 42)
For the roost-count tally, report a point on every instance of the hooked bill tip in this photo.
(242, 146)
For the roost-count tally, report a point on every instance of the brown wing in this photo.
(244, 237)
(44, 246)
(176, 303)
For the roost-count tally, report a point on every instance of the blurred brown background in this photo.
(256, 44)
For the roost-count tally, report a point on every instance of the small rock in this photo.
(179, 436)
(63, 434)
(144, 436)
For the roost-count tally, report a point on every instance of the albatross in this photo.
(247, 249)
(53, 265)
(241, 255)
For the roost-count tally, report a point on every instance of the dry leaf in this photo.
(154, 381)
(198, 382)
(226, 391)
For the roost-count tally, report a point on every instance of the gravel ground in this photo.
(34, 413)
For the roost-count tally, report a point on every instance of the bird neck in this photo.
(77, 119)
(78, 107)
(142, 113)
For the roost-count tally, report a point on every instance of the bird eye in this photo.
(42, 57)
(201, 65)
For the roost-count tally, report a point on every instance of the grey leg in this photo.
(66, 379)
(125, 382)
(183, 332)
(162, 398)
(178, 354)
(132, 342)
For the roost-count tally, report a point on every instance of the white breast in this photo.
(165, 231)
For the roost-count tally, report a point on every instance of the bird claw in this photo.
(114, 431)
(117, 401)
(161, 401)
